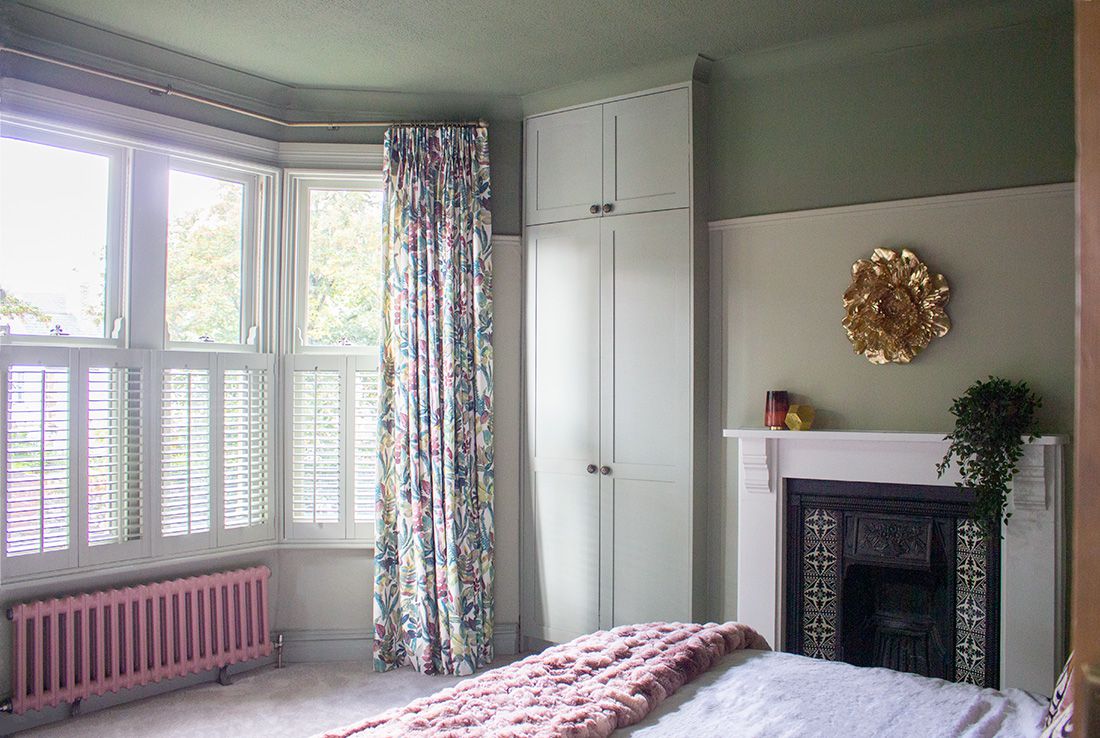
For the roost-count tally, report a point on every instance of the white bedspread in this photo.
(760, 693)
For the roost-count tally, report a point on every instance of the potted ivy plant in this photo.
(993, 420)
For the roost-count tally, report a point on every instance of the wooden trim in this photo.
(933, 201)
(1085, 621)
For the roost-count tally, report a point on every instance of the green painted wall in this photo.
(1009, 261)
(979, 110)
(505, 168)
(984, 110)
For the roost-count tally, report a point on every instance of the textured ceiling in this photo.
(496, 47)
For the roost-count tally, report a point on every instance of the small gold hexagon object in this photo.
(800, 417)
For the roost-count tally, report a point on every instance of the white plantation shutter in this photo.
(315, 414)
(366, 449)
(247, 389)
(186, 445)
(37, 469)
(114, 455)
(113, 406)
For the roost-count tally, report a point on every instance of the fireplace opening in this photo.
(895, 576)
(897, 618)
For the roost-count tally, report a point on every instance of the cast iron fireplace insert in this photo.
(898, 576)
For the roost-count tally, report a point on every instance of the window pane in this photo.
(53, 239)
(345, 265)
(205, 239)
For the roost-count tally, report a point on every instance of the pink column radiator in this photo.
(69, 648)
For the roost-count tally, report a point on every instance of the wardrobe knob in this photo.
(608, 207)
(591, 469)
(605, 470)
(594, 209)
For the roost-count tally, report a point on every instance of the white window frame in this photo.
(264, 532)
(253, 246)
(115, 358)
(38, 563)
(115, 257)
(299, 183)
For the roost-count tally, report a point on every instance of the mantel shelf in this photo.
(863, 436)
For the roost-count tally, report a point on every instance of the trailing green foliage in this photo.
(12, 307)
(992, 421)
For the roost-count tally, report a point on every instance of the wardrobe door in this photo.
(645, 417)
(647, 151)
(561, 582)
(564, 168)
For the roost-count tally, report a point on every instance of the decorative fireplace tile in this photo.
(821, 583)
(972, 602)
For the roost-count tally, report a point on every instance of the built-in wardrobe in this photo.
(615, 362)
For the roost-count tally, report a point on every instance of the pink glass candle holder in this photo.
(776, 405)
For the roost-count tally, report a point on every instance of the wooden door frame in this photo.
(1085, 614)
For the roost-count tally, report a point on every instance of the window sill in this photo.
(61, 342)
(335, 545)
(72, 576)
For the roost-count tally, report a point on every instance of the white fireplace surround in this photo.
(1032, 603)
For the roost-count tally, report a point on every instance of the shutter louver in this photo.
(316, 409)
(246, 447)
(114, 402)
(185, 451)
(366, 444)
(36, 459)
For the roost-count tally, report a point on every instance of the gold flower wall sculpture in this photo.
(894, 306)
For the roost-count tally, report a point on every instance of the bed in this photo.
(763, 693)
(673, 679)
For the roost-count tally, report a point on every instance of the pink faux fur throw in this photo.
(581, 689)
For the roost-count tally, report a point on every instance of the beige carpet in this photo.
(296, 701)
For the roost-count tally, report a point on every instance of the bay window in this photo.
(144, 422)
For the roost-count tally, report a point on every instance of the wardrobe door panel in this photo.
(646, 338)
(652, 556)
(564, 165)
(565, 574)
(563, 316)
(645, 416)
(647, 152)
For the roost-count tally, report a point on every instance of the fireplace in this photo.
(897, 576)
(1009, 603)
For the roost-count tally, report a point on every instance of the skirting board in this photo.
(355, 645)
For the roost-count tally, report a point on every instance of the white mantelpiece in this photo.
(1032, 554)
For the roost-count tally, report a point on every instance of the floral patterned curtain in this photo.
(433, 595)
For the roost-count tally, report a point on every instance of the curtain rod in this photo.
(169, 91)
